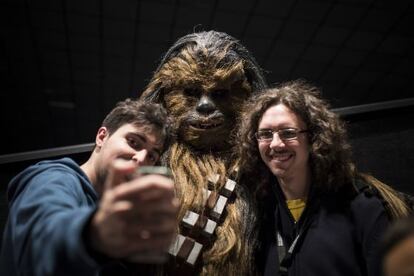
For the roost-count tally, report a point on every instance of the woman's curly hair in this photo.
(332, 168)
(330, 153)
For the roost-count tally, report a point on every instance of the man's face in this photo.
(142, 145)
(400, 260)
(205, 104)
(285, 159)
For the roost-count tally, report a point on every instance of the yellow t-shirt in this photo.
(296, 207)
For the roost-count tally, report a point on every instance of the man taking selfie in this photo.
(99, 218)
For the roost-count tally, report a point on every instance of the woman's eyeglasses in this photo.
(285, 134)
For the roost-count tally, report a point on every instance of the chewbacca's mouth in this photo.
(206, 125)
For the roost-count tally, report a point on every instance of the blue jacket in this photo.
(49, 205)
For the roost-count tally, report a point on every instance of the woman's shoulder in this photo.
(366, 203)
(361, 203)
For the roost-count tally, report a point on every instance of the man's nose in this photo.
(140, 157)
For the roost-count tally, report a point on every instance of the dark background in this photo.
(65, 63)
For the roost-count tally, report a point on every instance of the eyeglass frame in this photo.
(297, 131)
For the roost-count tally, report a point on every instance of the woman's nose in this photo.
(276, 141)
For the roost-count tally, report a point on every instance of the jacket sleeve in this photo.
(47, 219)
(371, 221)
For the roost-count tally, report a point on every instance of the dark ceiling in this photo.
(65, 63)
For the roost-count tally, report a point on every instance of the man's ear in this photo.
(101, 136)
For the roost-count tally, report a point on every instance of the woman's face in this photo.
(286, 159)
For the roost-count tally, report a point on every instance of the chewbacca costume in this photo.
(202, 81)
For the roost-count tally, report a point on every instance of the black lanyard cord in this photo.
(286, 256)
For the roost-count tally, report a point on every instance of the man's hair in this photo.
(142, 114)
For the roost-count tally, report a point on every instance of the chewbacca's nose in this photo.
(205, 105)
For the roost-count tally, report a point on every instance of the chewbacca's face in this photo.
(204, 101)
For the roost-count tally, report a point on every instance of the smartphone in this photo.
(145, 256)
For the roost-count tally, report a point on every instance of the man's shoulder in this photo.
(63, 170)
(65, 163)
(59, 166)
(49, 168)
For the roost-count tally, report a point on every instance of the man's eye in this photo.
(133, 143)
(153, 158)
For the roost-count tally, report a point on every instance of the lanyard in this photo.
(285, 255)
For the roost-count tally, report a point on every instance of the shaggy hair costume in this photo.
(203, 80)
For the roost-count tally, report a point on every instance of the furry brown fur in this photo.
(203, 80)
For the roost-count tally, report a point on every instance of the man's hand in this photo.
(139, 215)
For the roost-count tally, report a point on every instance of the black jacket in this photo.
(340, 237)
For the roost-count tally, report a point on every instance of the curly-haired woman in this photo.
(315, 219)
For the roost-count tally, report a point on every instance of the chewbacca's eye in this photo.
(191, 92)
(220, 93)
